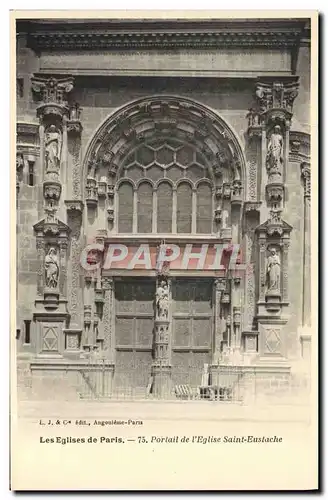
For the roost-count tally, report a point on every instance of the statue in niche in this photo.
(162, 301)
(51, 268)
(53, 144)
(273, 271)
(274, 157)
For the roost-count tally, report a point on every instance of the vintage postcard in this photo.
(164, 211)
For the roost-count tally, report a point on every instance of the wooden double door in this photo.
(191, 319)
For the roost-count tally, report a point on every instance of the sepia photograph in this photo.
(165, 229)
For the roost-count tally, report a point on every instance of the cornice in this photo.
(159, 34)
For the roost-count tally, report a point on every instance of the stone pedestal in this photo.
(271, 342)
(161, 369)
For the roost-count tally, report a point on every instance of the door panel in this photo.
(134, 328)
(191, 329)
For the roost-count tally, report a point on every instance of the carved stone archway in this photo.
(158, 117)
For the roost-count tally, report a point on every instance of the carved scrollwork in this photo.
(52, 90)
(306, 175)
(276, 95)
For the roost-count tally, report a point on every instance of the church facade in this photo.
(163, 206)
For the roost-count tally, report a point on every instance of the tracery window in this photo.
(165, 187)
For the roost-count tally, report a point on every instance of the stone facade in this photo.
(187, 135)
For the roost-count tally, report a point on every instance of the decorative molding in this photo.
(111, 143)
(159, 34)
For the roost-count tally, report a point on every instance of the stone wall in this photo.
(100, 96)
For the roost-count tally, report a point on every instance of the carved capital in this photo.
(107, 283)
(74, 206)
(52, 93)
(275, 192)
(220, 284)
(51, 190)
(236, 190)
(91, 193)
(252, 207)
(52, 90)
(74, 128)
(277, 95)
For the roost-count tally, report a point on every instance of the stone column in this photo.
(74, 179)
(219, 287)
(262, 273)
(52, 112)
(40, 246)
(285, 252)
(161, 367)
(63, 245)
(108, 317)
(305, 336)
(236, 312)
(306, 316)
(74, 283)
(111, 200)
(251, 221)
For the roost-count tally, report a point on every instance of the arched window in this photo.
(167, 200)
(184, 208)
(125, 208)
(145, 207)
(204, 208)
(164, 208)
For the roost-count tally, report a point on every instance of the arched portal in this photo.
(164, 172)
(175, 148)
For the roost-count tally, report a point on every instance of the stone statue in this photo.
(274, 157)
(162, 301)
(51, 268)
(273, 271)
(53, 149)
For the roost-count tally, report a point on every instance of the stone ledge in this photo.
(69, 365)
(265, 367)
